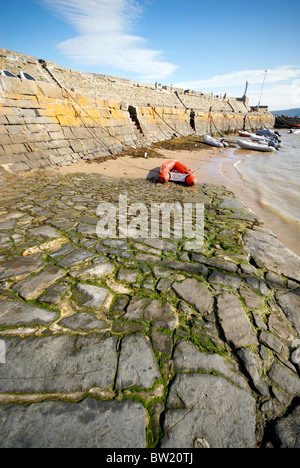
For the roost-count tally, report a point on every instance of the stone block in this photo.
(18, 168)
(3, 120)
(15, 148)
(40, 136)
(32, 287)
(19, 138)
(5, 139)
(76, 146)
(40, 120)
(90, 361)
(235, 322)
(15, 120)
(50, 90)
(132, 370)
(17, 86)
(199, 414)
(88, 424)
(57, 135)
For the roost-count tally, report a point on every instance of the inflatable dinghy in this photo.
(256, 146)
(214, 142)
(176, 171)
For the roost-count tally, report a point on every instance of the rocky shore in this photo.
(284, 121)
(143, 342)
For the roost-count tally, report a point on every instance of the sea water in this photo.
(271, 184)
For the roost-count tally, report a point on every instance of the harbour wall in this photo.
(64, 116)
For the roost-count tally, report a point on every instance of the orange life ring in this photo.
(166, 168)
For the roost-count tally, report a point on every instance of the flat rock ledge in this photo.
(143, 343)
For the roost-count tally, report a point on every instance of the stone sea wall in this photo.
(65, 116)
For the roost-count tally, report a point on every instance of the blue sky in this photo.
(211, 46)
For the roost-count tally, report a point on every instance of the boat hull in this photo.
(165, 172)
(250, 145)
(212, 141)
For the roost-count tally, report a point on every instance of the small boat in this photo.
(245, 134)
(266, 132)
(295, 125)
(295, 132)
(255, 146)
(268, 141)
(215, 141)
(258, 137)
(177, 172)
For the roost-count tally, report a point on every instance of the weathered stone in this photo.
(119, 305)
(97, 271)
(259, 321)
(87, 424)
(162, 343)
(285, 379)
(119, 244)
(8, 225)
(127, 276)
(63, 251)
(156, 311)
(230, 203)
(59, 363)
(16, 313)
(83, 321)
(281, 327)
(219, 277)
(120, 326)
(287, 430)
(252, 300)
(254, 369)
(90, 296)
(77, 256)
(148, 283)
(199, 408)
(290, 304)
(44, 231)
(185, 266)
(160, 272)
(215, 262)
(21, 266)
(54, 293)
(268, 252)
(86, 229)
(271, 341)
(234, 321)
(195, 293)
(33, 287)
(132, 370)
(160, 244)
(145, 258)
(187, 357)
(274, 281)
(164, 284)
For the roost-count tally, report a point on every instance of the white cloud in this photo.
(239, 78)
(279, 97)
(104, 40)
(281, 89)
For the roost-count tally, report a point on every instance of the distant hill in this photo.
(289, 112)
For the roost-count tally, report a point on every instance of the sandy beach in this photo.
(211, 165)
(205, 163)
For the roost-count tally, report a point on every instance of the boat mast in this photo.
(262, 88)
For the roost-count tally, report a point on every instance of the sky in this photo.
(206, 45)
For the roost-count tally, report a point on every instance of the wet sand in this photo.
(205, 163)
(214, 165)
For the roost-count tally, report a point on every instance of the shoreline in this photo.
(211, 165)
